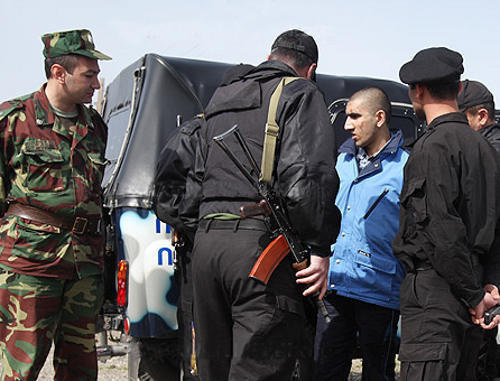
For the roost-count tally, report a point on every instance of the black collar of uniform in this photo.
(271, 69)
(486, 131)
(458, 117)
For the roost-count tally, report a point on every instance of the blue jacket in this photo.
(363, 266)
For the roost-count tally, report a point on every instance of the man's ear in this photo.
(58, 73)
(381, 118)
(311, 70)
(420, 91)
(483, 116)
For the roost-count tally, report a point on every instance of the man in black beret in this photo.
(477, 102)
(448, 238)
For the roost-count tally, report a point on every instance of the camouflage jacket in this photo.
(47, 166)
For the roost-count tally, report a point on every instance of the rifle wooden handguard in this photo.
(260, 208)
(270, 258)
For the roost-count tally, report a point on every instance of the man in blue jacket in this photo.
(365, 277)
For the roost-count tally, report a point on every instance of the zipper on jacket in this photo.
(374, 205)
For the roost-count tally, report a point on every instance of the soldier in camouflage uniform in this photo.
(51, 248)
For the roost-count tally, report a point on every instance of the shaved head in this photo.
(374, 99)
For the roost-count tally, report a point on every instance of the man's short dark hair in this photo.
(376, 99)
(68, 62)
(489, 106)
(442, 90)
(297, 59)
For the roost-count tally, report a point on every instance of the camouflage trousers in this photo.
(34, 311)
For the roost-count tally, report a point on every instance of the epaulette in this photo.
(7, 107)
(192, 125)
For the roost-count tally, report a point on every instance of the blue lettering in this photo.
(158, 227)
(160, 256)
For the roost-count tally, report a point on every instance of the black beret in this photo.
(299, 41)
(432, 65)
(473, 93)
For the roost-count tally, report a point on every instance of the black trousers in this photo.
(376, 329)
(438, 339)
(245, 330)
(487, 367)
(185, 309)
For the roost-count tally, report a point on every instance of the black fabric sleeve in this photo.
(306, 171)
(452, 257)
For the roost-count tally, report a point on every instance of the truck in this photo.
(143, 108)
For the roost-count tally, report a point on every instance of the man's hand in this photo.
(315, 275)
(493, 290)
(491, 298)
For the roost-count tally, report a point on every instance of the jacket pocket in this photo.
(96, 168)
(44, 166)
(414, 200)
(375, 275)
(286, 311)
(428, 361)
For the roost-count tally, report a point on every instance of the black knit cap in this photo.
(433, 65)
(473, 93)
(299, 41)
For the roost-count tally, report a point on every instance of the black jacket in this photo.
(304, 173)
(450, 207)
(492, 135)
(179, 172)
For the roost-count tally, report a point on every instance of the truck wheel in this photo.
(154, 360)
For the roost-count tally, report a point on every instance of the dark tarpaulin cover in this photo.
(170, 87)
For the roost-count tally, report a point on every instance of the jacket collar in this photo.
(392, 146)
(272, 68)
(458, 117)
(485, 131)
(44, 115)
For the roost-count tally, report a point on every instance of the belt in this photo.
(246, 224)
(77, 225)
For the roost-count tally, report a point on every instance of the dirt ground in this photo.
(115, 369)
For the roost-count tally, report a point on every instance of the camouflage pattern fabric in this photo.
(71, 42)
(36, 310)
(43, 164)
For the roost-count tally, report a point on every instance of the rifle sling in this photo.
(272, 130)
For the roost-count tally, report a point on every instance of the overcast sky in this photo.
(355, 37)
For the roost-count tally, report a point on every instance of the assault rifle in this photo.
(286, 240)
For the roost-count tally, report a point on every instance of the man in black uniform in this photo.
(246, 330)
(448, 238)
(180, 171)
(477, 102)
